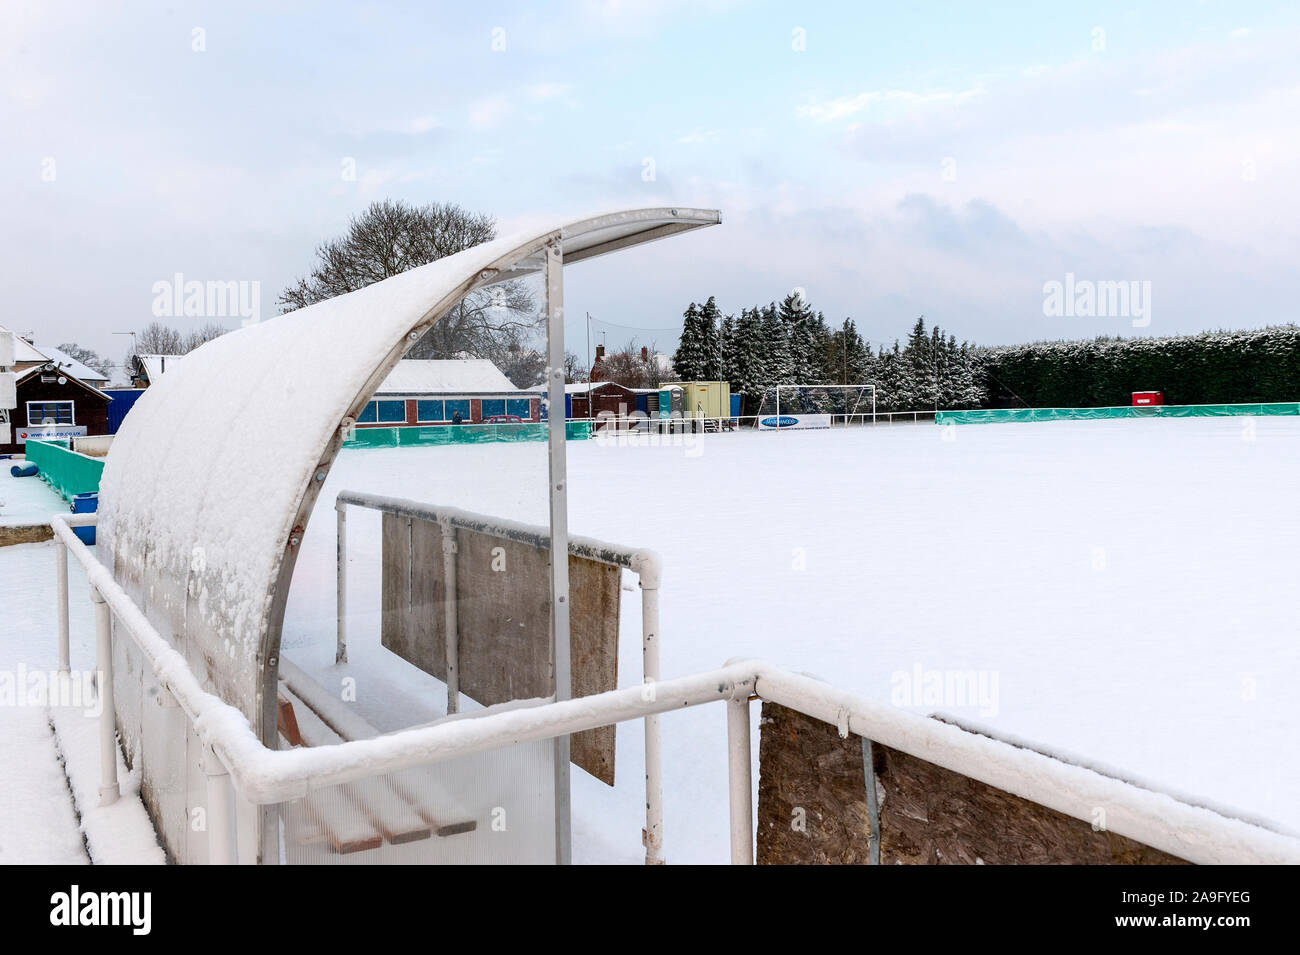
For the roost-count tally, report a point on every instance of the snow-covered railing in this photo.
(643, 562)
(264, 776)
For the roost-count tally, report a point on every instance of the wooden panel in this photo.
(503, 621)
(812, 809)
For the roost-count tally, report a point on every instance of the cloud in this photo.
(490, 112)
(888, 102)
(541, 92)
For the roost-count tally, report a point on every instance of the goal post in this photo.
(795, 406)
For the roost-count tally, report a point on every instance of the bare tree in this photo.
(159, 339)
(523, 364)
(574, 368)
(633, 367)
(88, 357)
(392, 236)
(202, 335)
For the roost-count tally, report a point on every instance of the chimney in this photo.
(600, 352)
(645, 355)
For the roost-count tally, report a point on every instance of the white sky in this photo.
(945, 159)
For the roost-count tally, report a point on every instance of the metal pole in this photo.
(341, 650)
(873, 804)
(654, 789)
(450, 616)
(740, 775)
(559, 553)
(222, 848)
(108, 788)
(61, 567)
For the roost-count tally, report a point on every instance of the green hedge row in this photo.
(1209, 368)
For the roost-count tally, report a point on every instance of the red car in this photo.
(504, 419)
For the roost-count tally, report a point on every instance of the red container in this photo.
(1148, 397)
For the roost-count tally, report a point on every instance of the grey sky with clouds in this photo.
(945, 159)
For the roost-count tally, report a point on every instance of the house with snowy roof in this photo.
(43, 398)
(447, 391)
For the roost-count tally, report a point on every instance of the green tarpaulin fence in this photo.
(461, 434)
(1139, 411)
(66, 471)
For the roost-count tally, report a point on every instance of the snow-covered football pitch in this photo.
(1121, 591)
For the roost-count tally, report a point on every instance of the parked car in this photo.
(504, 419)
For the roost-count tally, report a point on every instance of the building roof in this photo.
(73, 367)
(154, 366)
(451, 376)
(26, 373)
(582, 387)
(24, 351)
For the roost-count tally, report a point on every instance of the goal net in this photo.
(792, 407)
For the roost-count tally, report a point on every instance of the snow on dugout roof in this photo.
(440, 377)
(209, 484)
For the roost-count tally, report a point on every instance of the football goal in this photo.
(792, 407)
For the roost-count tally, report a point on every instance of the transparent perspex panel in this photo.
(488, 808)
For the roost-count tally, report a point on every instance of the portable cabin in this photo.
(706, 399)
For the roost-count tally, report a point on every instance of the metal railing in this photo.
(640, 561)
(235, 758)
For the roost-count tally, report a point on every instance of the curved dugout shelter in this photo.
(212, 479)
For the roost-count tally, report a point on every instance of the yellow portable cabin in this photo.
(708, 399)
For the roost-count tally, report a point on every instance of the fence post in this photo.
(451, 620)
(341, 647)
(740, 776)
(222, 848)
(61, 567)
(654, 789)
(108, 788)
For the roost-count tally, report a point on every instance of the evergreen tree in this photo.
(848, 360)
(727, 349)
(776, 349)
(893, 385)
(797, 318)
(919, 368)
(710, 336)
(691, 357)
(747, 372)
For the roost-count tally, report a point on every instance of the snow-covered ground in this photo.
(49, 744)
(26, 500)
(1121, 590)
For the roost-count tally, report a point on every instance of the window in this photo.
(519, 406)
(429, 411)
(493, 406)
(457, 404)
(389, 412)
(49, 412)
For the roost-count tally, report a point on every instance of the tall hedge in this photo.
(1210, 368)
